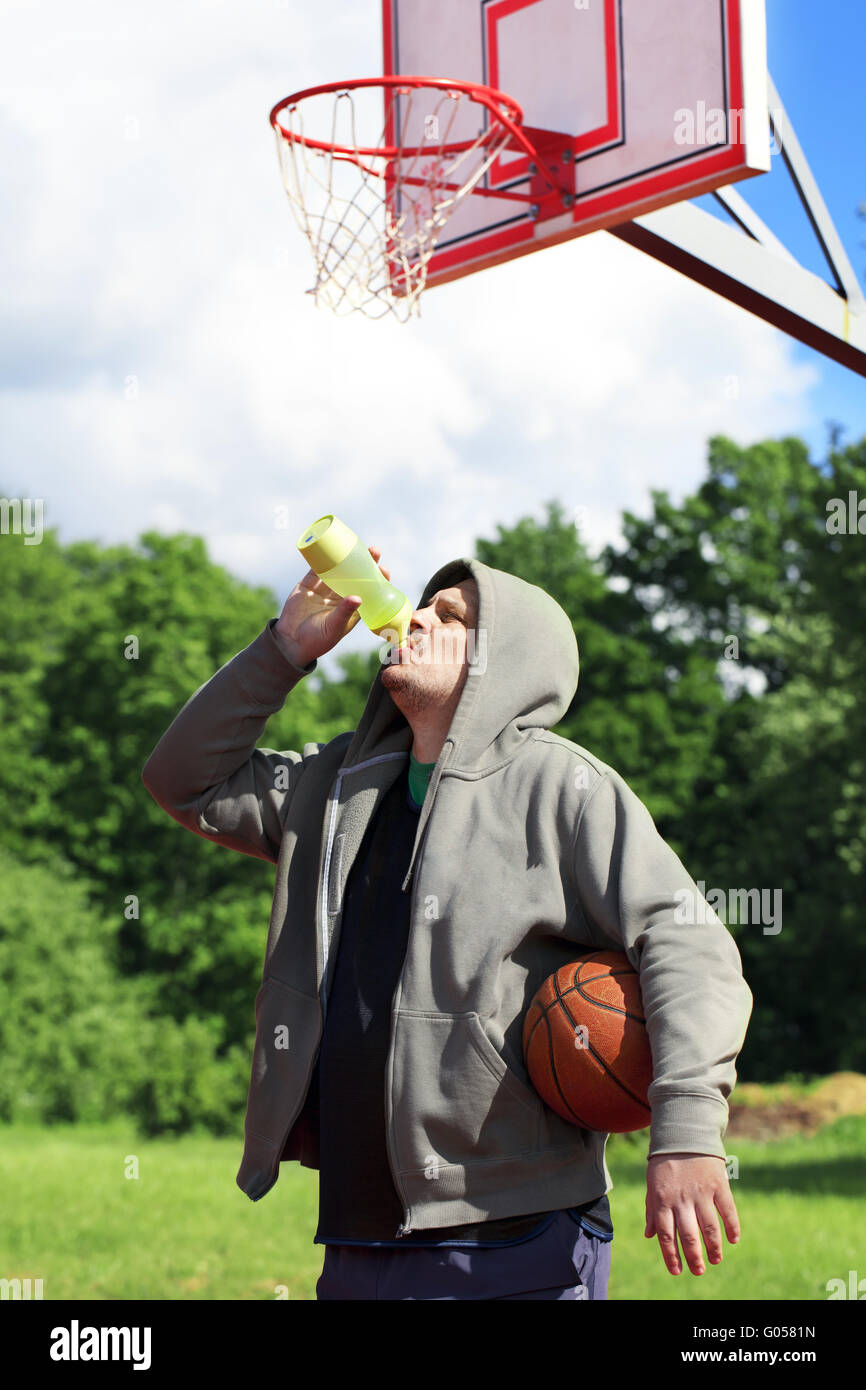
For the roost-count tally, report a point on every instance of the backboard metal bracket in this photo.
(556, 150)
(750, 266)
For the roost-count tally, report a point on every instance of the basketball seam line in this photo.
(589, 1047)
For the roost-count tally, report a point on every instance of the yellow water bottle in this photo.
(336, 555)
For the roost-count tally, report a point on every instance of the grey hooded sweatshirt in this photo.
(529, 852)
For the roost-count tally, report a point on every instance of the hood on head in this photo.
(523, 673)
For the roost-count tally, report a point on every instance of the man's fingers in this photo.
(690, 1239)
(376, 554)
(671, 1224)
(711, 1232)
(665, 1230)
(728, 1213)
(354, 616)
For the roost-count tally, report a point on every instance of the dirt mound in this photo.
(842, 1094)
(772, 1112)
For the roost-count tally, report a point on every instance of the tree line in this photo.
(723, 661)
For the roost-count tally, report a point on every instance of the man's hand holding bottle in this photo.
(314, 618)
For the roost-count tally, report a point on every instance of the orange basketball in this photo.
(586, 1047)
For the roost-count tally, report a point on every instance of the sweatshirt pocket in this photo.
(460, 1100)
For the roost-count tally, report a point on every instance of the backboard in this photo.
(655, 101)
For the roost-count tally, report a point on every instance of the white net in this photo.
(372, 220)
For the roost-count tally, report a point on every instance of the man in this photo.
(433, 868)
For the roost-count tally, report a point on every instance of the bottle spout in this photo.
(397, 627)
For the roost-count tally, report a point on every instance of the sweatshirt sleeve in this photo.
(206, 771)
(637, 897)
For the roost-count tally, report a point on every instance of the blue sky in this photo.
(161, 367)
(815, 54)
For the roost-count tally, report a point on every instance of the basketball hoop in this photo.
(373, 211)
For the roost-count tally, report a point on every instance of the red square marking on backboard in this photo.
(518, 167)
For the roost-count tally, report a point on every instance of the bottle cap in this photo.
(326, 543)
(400, 622)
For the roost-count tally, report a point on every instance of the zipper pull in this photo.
(404, 1230)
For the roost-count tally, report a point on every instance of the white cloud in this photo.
(149, 237)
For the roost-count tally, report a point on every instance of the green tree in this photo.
(749, 556)
(647, 701)
(83, 710)
(80, 1043)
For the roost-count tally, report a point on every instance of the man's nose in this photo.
(420, 620)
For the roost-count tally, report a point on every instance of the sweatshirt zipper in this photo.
(426, 812)
(326, 879)
(409, 881)
(405, 1226)
(324, 992)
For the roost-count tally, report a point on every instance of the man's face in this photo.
(432, 668)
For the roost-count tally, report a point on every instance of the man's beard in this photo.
(408, 694)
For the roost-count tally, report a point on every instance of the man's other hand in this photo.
(684, 1192)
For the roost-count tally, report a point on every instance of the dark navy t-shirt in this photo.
(358, 1202)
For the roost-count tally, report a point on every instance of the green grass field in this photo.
(183, 1230)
